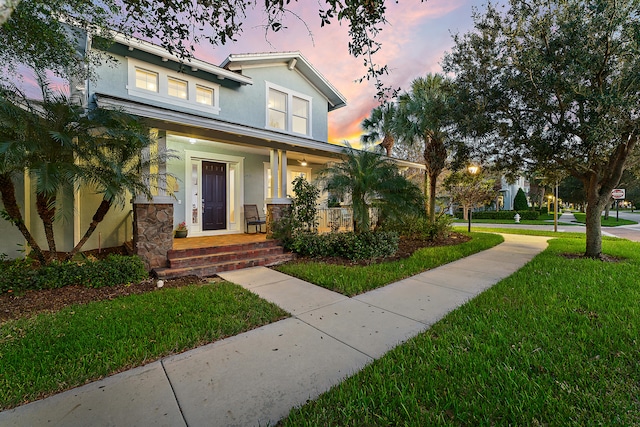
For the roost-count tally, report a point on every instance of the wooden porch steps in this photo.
(207, 261)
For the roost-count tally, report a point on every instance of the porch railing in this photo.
(340, 219)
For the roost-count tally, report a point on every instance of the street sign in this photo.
(618, 193)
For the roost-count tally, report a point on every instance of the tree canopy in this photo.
(34, 34)
(553, 86)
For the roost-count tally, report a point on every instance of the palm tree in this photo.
(372, 181)
(13, 127)
(423, 117)
(379, 126)
(118, 163)
(63, 146)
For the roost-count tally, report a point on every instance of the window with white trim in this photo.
(163, 85)
(178, 88)
(147, 80)
(204, 95)
(288, 111)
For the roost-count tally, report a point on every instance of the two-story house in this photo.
(242, 131)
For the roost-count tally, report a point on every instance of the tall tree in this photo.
(423, 117)
(372, 181)
(554, 86)
(32, 32)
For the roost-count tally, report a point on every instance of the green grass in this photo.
(49, 353)
(611, 222)
(354, 280)
(532, 232)
(511, 221)
(557, 343)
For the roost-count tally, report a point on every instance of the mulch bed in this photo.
(51, 300)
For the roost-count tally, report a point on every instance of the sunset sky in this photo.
(414, 41)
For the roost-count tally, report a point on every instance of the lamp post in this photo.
(472, 169)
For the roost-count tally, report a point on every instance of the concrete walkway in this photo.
(255, 378)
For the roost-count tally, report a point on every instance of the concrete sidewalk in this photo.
(255, 378)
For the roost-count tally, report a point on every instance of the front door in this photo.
(214, 196)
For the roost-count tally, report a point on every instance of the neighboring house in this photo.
(242, 130)
(509, 190)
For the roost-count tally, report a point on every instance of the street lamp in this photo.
(472, 169)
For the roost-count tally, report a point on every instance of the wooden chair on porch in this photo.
(251, 217)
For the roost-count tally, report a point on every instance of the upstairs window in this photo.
(300, 115)
(277, 109)
(204, 95)
(177, 88)
(164, 86)
(288, 111)
(147, 80)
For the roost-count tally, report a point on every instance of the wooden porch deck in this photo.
(214, 241)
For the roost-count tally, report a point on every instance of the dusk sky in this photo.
(414, 41)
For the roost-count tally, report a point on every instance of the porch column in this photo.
(283, 175)
(153, 230)
(278, 204)
(153, 218)
(275, 171)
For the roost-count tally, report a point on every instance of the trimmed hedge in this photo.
(530, 215)
(20, 275)
(348, 245)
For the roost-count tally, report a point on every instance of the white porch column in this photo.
(275, 187)
(283, 176)
(160, 147)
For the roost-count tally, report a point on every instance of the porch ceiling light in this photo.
(303, 162)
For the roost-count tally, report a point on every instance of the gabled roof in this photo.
(236, 62)
(196, 64)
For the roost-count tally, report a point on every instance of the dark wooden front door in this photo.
(214, 196)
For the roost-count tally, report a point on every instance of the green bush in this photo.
(525, 214)
(352, 246)
(20, 275)
(520, 201)
(418, 226)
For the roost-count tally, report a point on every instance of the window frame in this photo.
(289, 116)
(162, 94)
(148, 73)
(186, 87)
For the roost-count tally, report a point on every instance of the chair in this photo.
(251, 217)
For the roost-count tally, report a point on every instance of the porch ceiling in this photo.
(230, 133)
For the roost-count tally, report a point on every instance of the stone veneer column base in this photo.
(275, 211)
(153, 232)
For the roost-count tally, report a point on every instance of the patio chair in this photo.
(251, 217)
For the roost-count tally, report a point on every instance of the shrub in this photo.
(350, 245)
(20, 275)
(418, 226)
(526, 214)
(520, 201)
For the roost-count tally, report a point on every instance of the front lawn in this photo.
(52, 352)
(354, 280)
(555, 344)
(611, 222)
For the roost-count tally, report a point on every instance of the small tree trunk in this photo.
(102, 210)
(593, 229)
(7, 191)
(432, 178)
(45, 206)
(607, 208)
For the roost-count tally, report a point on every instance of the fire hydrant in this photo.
(517, 218)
